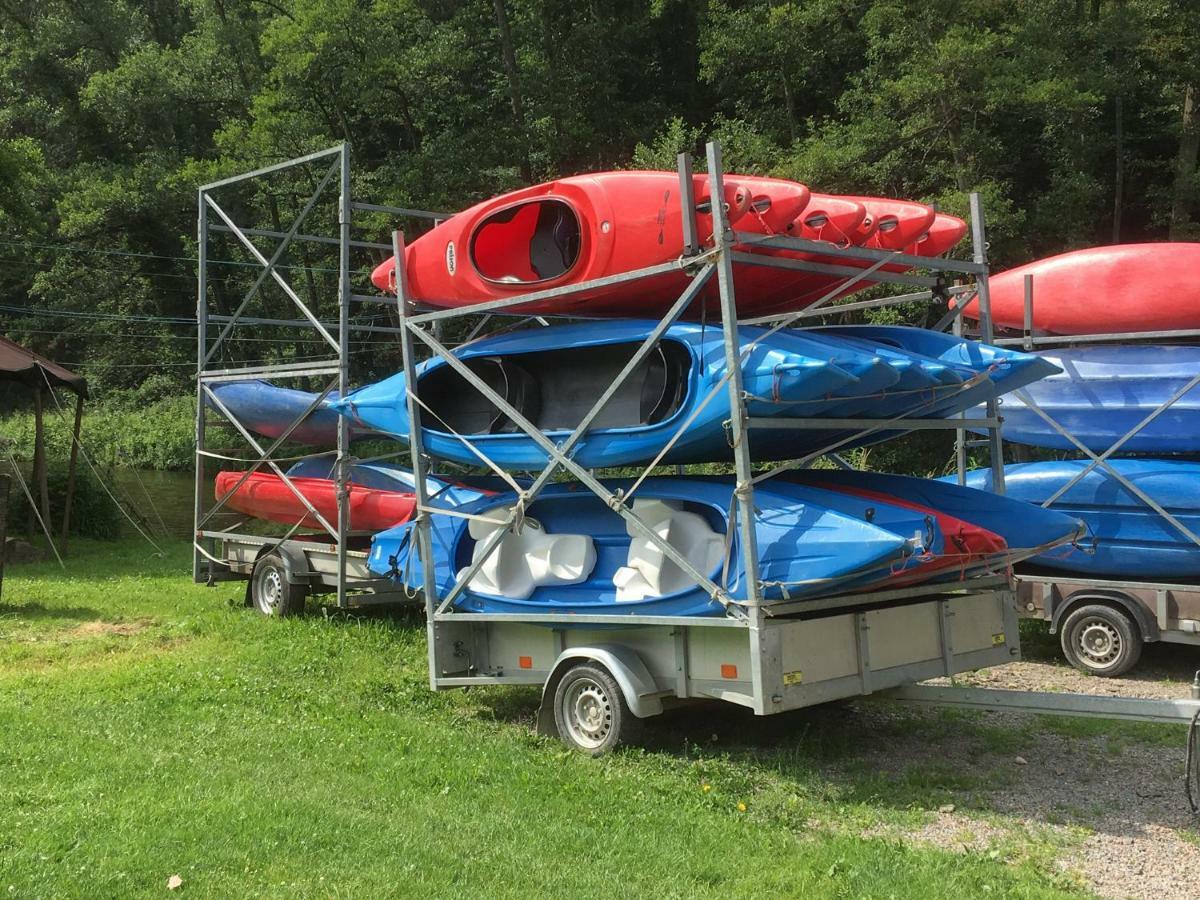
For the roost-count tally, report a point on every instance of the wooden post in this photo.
(66, 523)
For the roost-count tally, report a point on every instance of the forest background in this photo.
(1077, 120)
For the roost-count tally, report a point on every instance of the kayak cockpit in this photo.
(555, 389)
(526, 243)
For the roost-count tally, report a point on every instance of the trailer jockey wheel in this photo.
(1101, 640)
(270, 591)
(590, 711)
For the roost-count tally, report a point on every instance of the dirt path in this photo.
(1111, 797)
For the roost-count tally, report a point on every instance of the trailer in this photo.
(281, 574)
(1103, 624)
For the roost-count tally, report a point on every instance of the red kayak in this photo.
(939, 236)
(579, 229)
(892, 224)
(829, 218)
(265, 496)
(1103, 290)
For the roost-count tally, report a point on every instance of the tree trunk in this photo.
(1185, 165)
(1119, 174)
(509, 55)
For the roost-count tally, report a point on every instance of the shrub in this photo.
(93, 513)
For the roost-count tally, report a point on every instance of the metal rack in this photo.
(330, 563)
(459, 652)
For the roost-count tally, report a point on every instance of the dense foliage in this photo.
(1077, 120)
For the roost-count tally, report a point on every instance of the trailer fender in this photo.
(295, 566)
(1129, 605)
(627, 668)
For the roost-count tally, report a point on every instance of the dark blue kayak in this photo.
(1128, 538)
(1027, 530)
(1103, 392)
(267, 409)
(574, 555)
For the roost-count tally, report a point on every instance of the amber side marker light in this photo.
(728, 670)
(525, 662)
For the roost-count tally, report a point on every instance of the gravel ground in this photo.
(1109, 807)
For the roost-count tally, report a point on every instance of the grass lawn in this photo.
(150, 727)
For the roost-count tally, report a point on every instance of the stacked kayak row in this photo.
(819, 533)
(575, 230)
(674, 401)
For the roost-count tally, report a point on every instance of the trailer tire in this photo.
(1101, 640)
(270, 591)
(590, 711)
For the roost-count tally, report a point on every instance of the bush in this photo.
(141, 433)
(93, 513)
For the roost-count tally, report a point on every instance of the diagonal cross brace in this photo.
(279, 279)
(493, 540)
(573, 467)
(1103, 462)
(262, 453)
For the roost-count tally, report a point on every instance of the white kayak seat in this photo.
(526, 561)
(648, 571)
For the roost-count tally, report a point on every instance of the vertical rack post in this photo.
(744, 489)
(987, 335)
(416, 444)
(201, 354)
(687, 198)
(343, 434)
(960, 434)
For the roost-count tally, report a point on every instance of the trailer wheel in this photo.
(590, 711)
(1100, 640)
(270, 591)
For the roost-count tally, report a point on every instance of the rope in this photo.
(88, 459)
(32, 504)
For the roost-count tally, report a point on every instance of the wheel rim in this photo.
(587, 711)
(1098, 642)
(268, 590)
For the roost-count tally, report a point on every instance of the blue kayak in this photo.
(554, 374)
(1128, 538)
(1103, 392)
(985, 372)
(1027, 531)
(574, 555)
(267, 409)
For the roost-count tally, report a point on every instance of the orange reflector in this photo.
(728, 670)
(525, 662)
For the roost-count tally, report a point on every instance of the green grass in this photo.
(150, 727)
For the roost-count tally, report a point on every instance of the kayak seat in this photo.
(531, 559)
(648, 571)
(554, 245)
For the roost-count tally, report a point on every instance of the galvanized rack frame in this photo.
(702, 263)
(332, 168)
